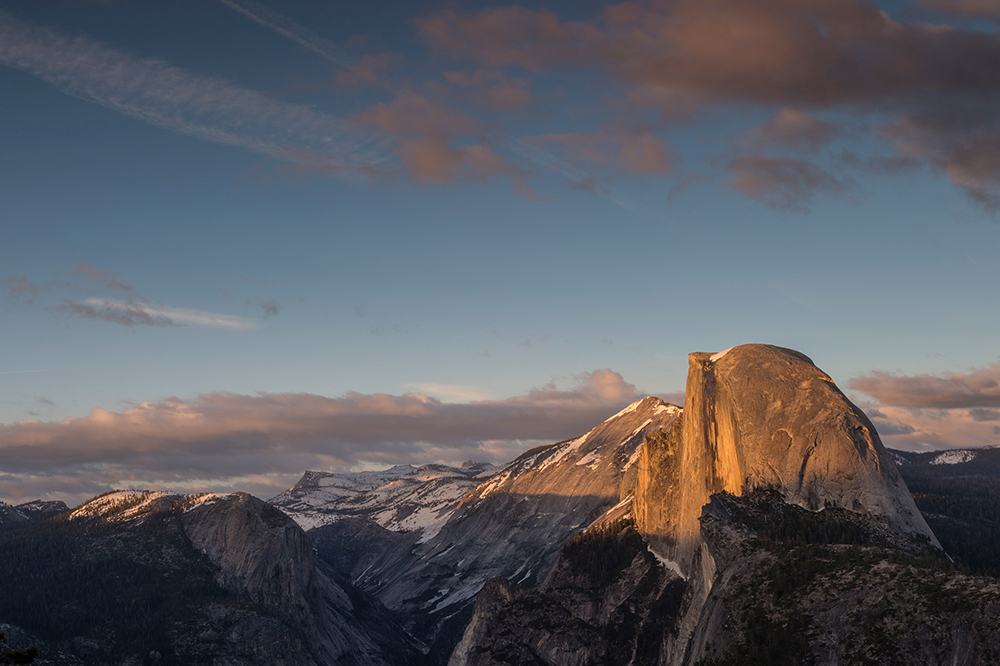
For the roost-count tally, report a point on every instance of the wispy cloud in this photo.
(274, 437)
(129, 313)
(451, 392)
(19, 288)
(208, 108)
(128, 307)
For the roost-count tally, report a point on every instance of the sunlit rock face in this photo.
(763, 416)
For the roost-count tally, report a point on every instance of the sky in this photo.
(242, 238)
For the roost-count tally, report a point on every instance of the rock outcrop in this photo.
(758, 416)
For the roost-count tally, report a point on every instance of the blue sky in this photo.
(473, 201)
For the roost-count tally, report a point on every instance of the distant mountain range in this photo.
(763, 523)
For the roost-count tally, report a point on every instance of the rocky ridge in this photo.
(215, 579)
(29, 512)
(400, 499)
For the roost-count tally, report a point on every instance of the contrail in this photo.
(285, 26)
(208, 108)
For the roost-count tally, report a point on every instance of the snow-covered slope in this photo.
(400, 499)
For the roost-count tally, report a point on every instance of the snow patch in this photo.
(669, 564)
(591, 459)
(715, 357)
(628, 410)
(633, 459)
(669, 409)
(564, 450)
(120, 505)
(638, 430)
(954, 457)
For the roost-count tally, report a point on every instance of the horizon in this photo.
(244, 240)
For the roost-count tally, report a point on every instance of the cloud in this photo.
(133, 313)
(411, 114)
(637, 152)
(920, 412)
(929, 429)
(979, 388)
(452, 392)
(492, 88)
(965, 8)
(504, 95)
(208, 108)
(99, 276)
(217, 439)
(769, 51)
(128, 308)
(984, 414)
(961, 140)
(125, 313)
(793, 127)
(677, 57)
(19, 288)
(784, 183)
(269, 308)
(368, 71)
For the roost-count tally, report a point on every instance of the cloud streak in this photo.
(131, 313)
(226, 437)
(128, 308)
(207, 108)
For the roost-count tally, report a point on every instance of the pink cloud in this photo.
(950, 410)
(219, 438)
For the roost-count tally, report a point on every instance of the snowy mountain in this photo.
(29, 512)
(400, 499)
(982, 462)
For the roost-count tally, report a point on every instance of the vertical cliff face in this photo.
(762, 416)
